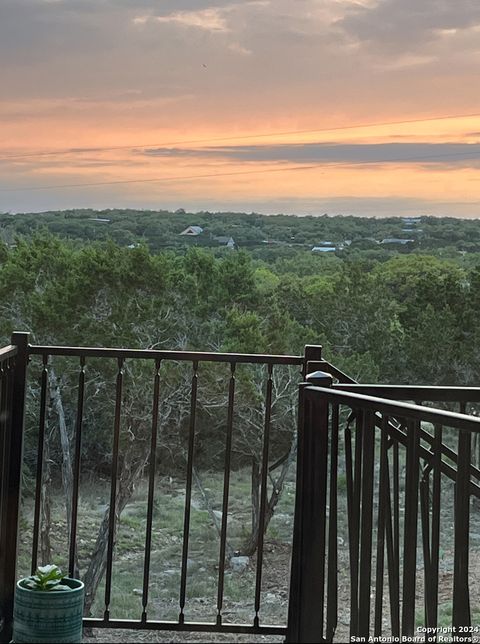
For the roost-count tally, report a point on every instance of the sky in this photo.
(367, 107)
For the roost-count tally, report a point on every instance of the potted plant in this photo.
(48, 607)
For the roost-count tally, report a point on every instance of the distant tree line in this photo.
(161, 229)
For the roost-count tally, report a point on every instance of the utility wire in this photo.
(161, 179)
(234, 138)
(297, 168)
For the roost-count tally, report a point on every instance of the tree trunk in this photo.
(45, 505)
(67, 473)
(249, 547)
(208, 505)
(98, 560)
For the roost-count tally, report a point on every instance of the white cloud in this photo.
(140, 20)
(405, 61)
(211, 19)
(239, 49)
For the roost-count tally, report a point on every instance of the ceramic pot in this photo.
(48, 616)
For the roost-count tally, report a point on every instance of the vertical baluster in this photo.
(350, 528)
(226, 489)
(188, 491)
(151, 488)
(365, 569)
(354, 523)
(425, 523)
(410, 529)
(72, 567)
(382, 508)
(39, 470)
(428, 581)
(431, 536)
(348, 470)
(332, 575)
(436, 511)
(392, 554)
(461, 615)
(396, 525)
(113, 487)
(263, 493)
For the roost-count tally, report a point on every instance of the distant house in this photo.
(229, 242)
(394, 241)
(411, 220)
(99, 220)
(192, 231)
(324, 249)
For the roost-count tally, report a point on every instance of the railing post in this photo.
(12, 478)
(307, 582)
(312, 353)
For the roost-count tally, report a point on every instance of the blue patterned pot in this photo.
(48, 616)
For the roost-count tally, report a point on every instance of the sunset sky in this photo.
(368, 107)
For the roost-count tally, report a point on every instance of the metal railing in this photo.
(359, 494)
(387, 461)
(156, 359)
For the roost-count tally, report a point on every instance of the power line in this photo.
(297, 168)
(234, 138)
(161, 179)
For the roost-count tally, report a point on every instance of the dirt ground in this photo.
(273, 584)
(275, 580)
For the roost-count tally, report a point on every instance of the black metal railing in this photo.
(156, 359)
(388, 454)
(369, 466)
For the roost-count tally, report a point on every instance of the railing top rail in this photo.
(153, 354)
(8, 352)
(414, 392)
(398, 409)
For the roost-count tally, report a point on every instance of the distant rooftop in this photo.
(223, 239)
(192, 231)
(393, 240)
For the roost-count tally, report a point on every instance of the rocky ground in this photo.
(240, 575)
